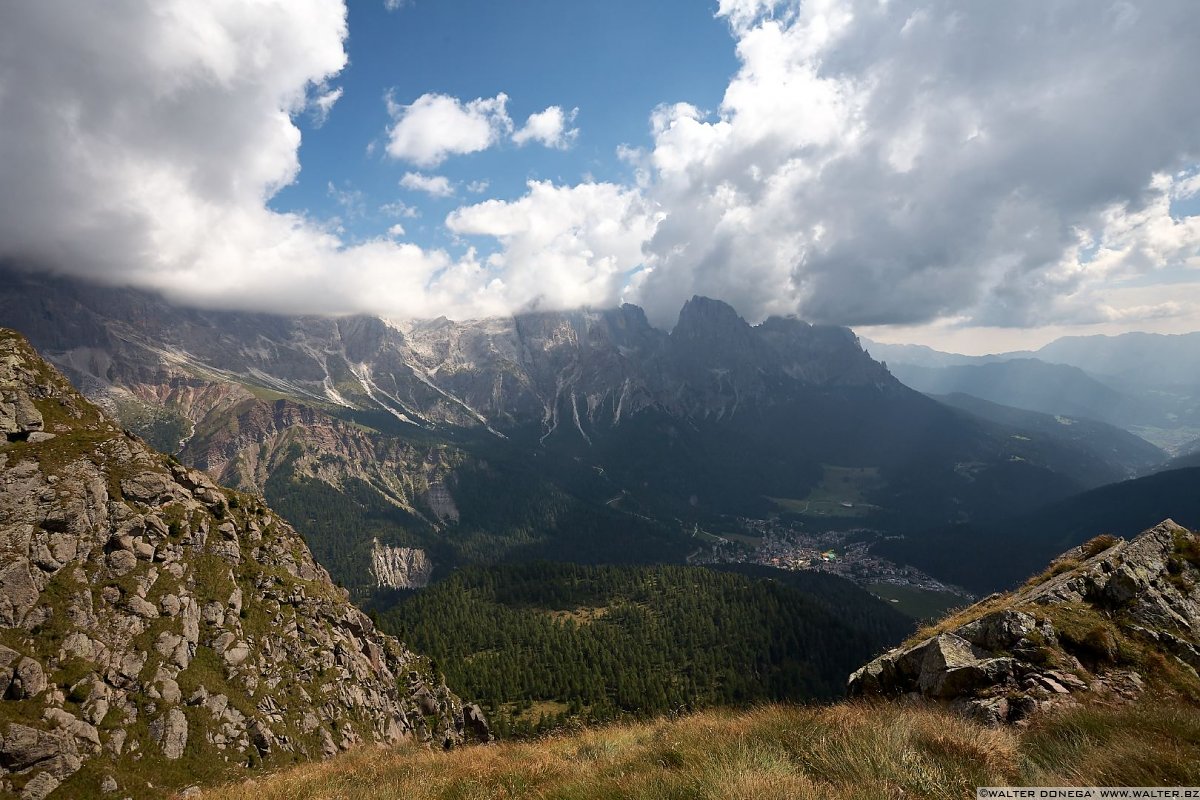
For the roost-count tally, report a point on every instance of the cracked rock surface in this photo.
(157, 630)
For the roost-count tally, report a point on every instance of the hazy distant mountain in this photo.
(1145, 358)
(1033, 385)
(1148, 358)
(1148, 384)
(1111, 453)
(918, 355)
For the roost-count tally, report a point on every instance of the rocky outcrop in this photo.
(439, 500)
(245, 444)
(400, 567)
(1109, 618)
(155, 624)
(19, 418)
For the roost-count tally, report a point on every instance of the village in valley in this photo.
(827, 531)
(846, 553)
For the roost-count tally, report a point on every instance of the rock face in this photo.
(540, 368)
(1109, 618)
(400, 567)
(154, 626)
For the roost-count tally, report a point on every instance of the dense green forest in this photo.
(541, 643)
(507, 514)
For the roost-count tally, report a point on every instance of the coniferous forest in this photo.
(540, 644)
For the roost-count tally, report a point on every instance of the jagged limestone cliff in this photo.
(1108, 620)
(158, 631)
(400, 567)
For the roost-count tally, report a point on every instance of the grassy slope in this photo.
(841, 751)
(920, 604)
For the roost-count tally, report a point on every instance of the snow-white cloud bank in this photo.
(879, 163)
(871, 163)
(140, 143)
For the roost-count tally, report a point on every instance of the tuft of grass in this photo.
(1098, 545)
(1187, 548)
(1055, 569)
(1152, 741)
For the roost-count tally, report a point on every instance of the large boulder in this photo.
(170, 732)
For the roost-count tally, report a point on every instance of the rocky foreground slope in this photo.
(1109, 620)
(157, 631)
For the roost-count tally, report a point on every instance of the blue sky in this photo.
(974, 176)
(614, 60)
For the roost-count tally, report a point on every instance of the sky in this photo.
(977, 177)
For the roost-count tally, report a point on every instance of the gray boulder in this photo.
(170, 731)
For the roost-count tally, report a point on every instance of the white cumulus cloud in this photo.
(993, 164)
(550, 128)
(433, 185)
(563, 246)
(874, 164)
(435, 126)
(139, 144)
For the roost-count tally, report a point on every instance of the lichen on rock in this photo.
(155, 627)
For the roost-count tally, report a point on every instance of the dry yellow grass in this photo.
(849, 751)
(956, 618)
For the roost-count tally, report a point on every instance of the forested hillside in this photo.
(540, 643)
(999, 555)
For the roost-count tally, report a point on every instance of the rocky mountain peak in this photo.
(821, 354)
(1109, 619)
(363, 337)
(156, 629)
(704, 319)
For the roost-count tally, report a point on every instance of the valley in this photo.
(580, 520)
(598, 643)
(1055, 684)
(458, 400)
(848, 554)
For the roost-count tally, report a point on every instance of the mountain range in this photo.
(158, 631)
(401, 449)
(157, 628)
(1145, 383)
